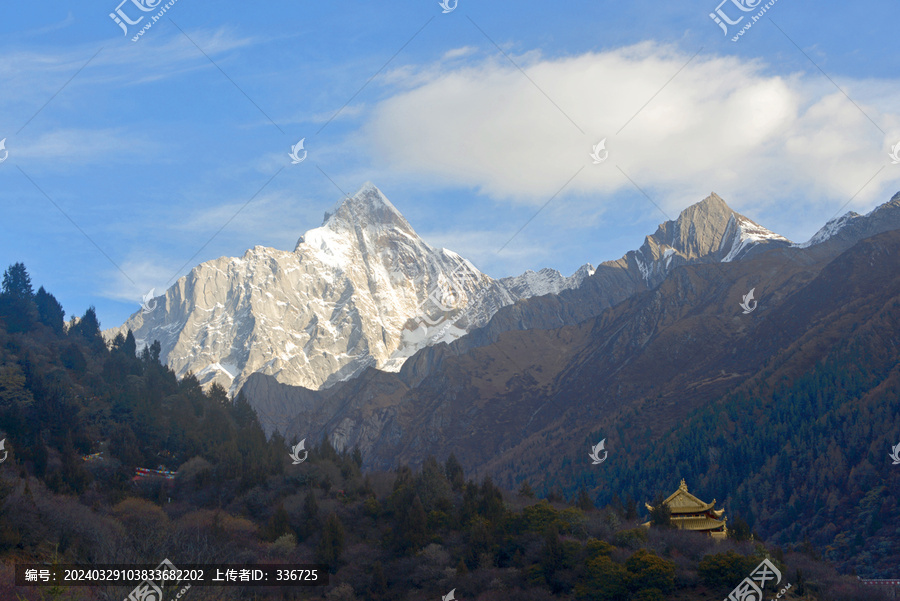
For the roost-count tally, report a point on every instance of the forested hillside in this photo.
(78, 417)
(801, 449)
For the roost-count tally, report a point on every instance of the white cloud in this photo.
(65, 148)
(276, 219)
(38, 74)
(481, 246)
(38, 31)
(458, 53)
(723, 123)
(139, 277)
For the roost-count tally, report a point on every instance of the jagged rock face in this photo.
(361, 290)
(515, 408)
(374, 411)
(707, 232)
(842, 232)
(364, 290)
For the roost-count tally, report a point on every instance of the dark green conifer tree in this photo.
(17, 282)
(50, 312)
(584, 500)
(331, 544)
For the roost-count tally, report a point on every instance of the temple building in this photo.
(690, 513)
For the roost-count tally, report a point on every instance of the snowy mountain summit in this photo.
(706, 232)
(851, 225)
(361, 290)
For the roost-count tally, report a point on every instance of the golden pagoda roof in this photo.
(700, 522)
(681, 501)
(694, 522)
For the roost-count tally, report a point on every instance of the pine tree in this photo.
(50, 312)
(378, 590)
(525, 490)
(617, 505)
(151, 353)
(738, 529)
(553, 560)
(17, 306)
(241, 411)
(416, 528)
(454, 472)
(217, 394)
(130, 346)
(331, 544)
(491, 505)
(17, 282)
(279, 523)
(661, 514)
(88, 330)
(74, 477)
(461, 568)
(71, 356)
(326, 450)
(310, 514)
(552, 555)
(630, 509)
(584, 500)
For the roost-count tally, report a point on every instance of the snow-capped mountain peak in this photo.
(828, 230)
(882, 216)
(364, 289)
(361, 290)
(368, 211)
(706, 231)
(742, 234)
(369, 206)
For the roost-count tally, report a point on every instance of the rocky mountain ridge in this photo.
(707, 232)
(365, 290)
(361, 290)
(401, 411)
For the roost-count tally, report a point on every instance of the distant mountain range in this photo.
(369, 337)
(707, 233)
(754, 408)
(361, 290)
(364, 290)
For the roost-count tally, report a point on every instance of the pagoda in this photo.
(690, 513)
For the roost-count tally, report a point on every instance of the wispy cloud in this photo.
(278, 218)
(458, 53)
(723, 123)
(38, 31)
(68, 148)
(146, 274)
(35, 74)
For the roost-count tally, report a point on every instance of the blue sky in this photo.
(131, 162)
